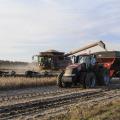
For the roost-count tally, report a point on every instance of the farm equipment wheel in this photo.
(82, 78)
(105, 78)
(90, 80)
(66, 85)
(59, 80)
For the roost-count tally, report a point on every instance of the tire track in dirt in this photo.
(51, 97)
(17, 96)
(22, 109)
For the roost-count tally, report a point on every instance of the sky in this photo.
(30, 26)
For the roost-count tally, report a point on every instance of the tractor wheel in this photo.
(59, 80)
(82, 79)
(67, 85)
(104, 78)
(90, 80)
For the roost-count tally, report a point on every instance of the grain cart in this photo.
(111, 61)
(86, 71)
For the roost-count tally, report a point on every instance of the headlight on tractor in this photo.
(70, 72)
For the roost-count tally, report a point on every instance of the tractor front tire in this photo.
(90, 80)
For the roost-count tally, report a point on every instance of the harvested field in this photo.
(23, 82)
(51, 103)
(100, 110)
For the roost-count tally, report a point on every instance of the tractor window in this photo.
(88, 60)
(93, 60)
(77, 59)
(84, 59)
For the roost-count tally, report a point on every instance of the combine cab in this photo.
(52, 60)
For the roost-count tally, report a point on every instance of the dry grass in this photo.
(22, 82)
(100, 111)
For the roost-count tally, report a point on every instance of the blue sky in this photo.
(30, 26)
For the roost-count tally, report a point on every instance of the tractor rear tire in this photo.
(82, 79)
(59, 80)
(90, 80)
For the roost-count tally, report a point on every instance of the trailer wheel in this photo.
(59, 80)
(90, 80)
(105, 78)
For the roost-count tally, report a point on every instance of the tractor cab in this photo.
(85, 71)
(82, 63)
(88, 59)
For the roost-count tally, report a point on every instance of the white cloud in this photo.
(27, 26)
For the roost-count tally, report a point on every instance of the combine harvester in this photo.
(51, 60)
(90, 70)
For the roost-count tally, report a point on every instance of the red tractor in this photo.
(86, 71)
